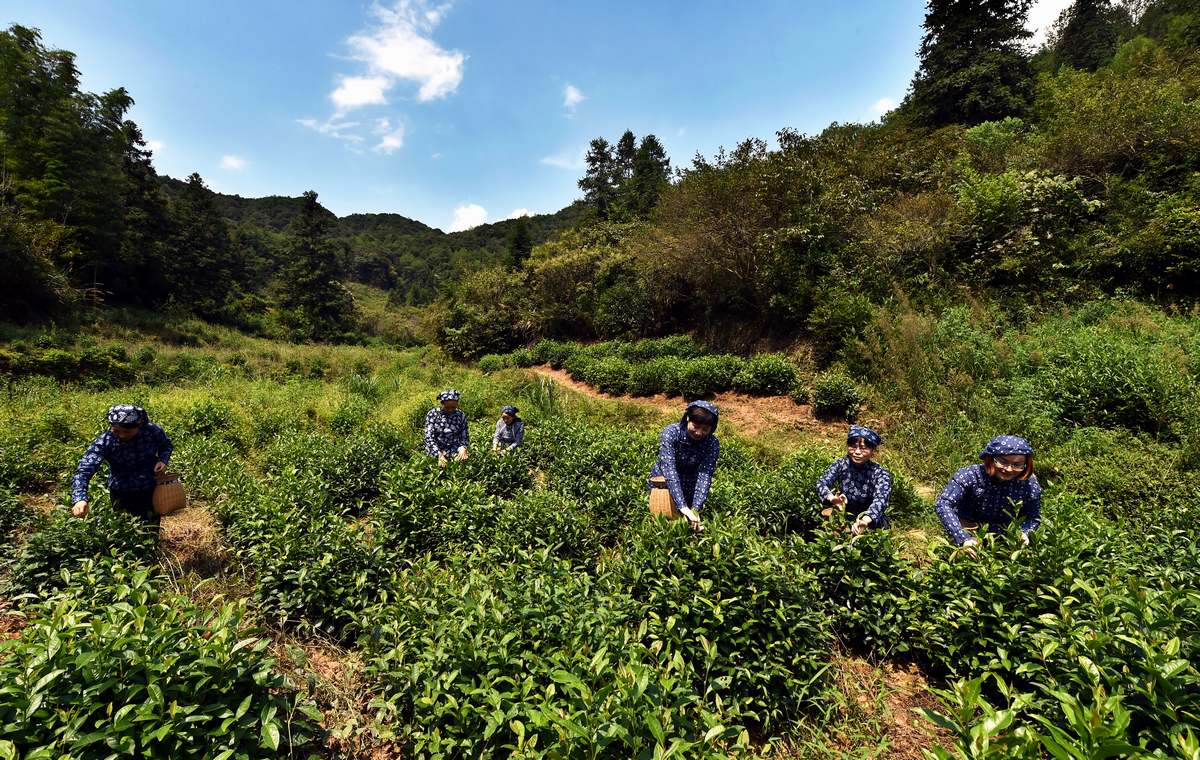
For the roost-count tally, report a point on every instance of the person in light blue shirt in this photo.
(510, 431)
(687, 457)
(136, 450)
(988, 493)
(865, 486)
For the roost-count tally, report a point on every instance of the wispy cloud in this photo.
(234, 163)
(572, 97)
(565, 161)
(394, 48)
(155, 145)
(466, 217)
(883, 105)
(391, 138)
(397, 48)
(519, 213)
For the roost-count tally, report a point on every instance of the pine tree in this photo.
(519, 246)
(973, 68)
(651, 173)
(311, 283)
(1087, 34)
(202, 266)
(597, 185)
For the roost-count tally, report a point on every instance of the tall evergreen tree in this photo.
(519, 245)
(311, 282)
(137, 273)
(1087, 34)
(597, 185)
(651, 173)
(973, 68)
(202, 266)
(623, 158)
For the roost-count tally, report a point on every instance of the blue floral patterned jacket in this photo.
(972, 494)
(509, 436)
(130, 463)
(445, 433)
(686, 464)
(867, 488)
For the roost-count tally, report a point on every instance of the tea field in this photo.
(350, 599)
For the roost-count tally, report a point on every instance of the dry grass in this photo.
(872, 715)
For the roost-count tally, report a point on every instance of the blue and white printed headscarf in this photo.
(448, 395)
(865, 433)
(1007, 445)
(127, 414)
(510, 410)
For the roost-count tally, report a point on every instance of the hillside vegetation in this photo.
(1013, 250)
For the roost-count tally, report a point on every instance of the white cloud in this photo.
(359, 91)
(234, 163)
(883, 105)
(396, 49)
(563, 161)
(519, 213)
(1042, 14)
(466, 217)
(572, 97)
(391, 139)
(155, 145)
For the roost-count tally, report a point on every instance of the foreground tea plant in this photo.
(118, 667)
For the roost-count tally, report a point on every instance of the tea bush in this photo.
(766, 375)
(490, 363)
(707, 375)
(836, 394)
(139, 672)
(609, 375)
(65, 540)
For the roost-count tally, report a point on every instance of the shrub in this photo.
(836, 394)
(65, 540)
(654, 376)
(552, 352)
(609, 375)
(144, 674)
(491, 363)
(766, 375)
(707, 375)
(208, 417)
(522, 358)
(350, 415)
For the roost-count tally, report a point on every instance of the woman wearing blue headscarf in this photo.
(510, 431)
(136, 450)
(446, 431)
(865, 486)
(988, 492)
(687, 457)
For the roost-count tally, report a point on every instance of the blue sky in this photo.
(472, 111)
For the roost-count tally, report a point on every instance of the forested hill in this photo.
(388, 251)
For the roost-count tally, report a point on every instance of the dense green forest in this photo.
(1027, 180)
(85, 220)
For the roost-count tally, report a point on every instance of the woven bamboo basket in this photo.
(660, 499)
(968, 525)
(168, 494)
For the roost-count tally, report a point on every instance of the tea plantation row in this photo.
(525, 606)
(676, 366)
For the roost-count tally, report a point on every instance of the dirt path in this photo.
(748, 416)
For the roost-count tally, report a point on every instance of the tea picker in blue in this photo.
(988, 492)
(510, 431)
(136, 450)
(864, 485)
(446, 432)
(687, 457)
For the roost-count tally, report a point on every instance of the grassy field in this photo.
(328, 591)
